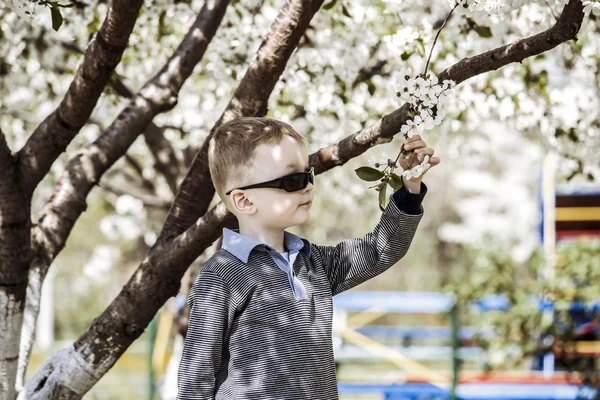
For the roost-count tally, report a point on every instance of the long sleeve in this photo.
(211, 315)
(410, 202)
(354, 261)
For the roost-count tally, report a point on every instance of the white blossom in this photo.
(418, 170)
(24, 9)
(384, 158)
(591, 6)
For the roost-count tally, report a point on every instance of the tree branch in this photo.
(6, 156)
(383, 131)
(368, 71)
(250, 99)
(565, 29)
(103, 54)
(66, 204)
(83, 171)
(142, 181)
(165, 160)
(150, 201)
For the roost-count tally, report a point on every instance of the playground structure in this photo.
(434, 337)
(357, 341)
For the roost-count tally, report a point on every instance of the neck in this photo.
(272, 237)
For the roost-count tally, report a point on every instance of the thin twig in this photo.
(436, 37)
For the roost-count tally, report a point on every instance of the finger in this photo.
(415, 145)
(434, 161)
(425, 150)
(411, 140)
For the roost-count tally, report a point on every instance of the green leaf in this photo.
(420, 46)
(345, 11)
(395, 182)
(368, 173)
(572, 135)
(405, 55)
(382, 196)
(483, 31)
(162, 28)
(329, 5)
(57, 18)
(371, 87)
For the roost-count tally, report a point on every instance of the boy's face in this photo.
(270, 207)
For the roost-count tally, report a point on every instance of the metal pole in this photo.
(455, 350)
(151, 338)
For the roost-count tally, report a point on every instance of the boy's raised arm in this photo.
(356, 260)
(211, 315)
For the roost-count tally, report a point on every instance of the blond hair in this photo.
(231, 149)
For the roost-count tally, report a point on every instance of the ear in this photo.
(241, 203)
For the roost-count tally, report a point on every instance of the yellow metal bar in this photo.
(162, 339)
(393, 356)
(578, 213)
(588, 347)
(364, 317)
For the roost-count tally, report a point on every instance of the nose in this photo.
(308, 188)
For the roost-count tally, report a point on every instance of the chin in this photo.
(305, 217)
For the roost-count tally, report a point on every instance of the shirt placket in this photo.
(298, 288)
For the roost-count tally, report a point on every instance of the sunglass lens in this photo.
(295, 182)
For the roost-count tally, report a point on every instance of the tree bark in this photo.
(23, 172)
(85, 170)
(103, 54)
(14, 261)
(566, 28)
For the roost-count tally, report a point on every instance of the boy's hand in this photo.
(410, 160)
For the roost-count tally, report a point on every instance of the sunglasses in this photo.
(289, 183)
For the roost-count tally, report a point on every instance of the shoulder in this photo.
(224, 264)
(217, 271)
(234, 273)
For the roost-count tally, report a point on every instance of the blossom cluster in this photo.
(492, 7)
(428, 99)
(24, 9)
(499, 7)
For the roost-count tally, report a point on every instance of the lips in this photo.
(307, 203)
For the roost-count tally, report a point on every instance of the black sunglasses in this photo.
(289, 183)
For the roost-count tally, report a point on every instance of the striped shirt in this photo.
(241, 246)
(252, 335)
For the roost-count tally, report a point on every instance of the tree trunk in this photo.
(15, 253)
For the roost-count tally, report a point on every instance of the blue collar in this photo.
(241, 245)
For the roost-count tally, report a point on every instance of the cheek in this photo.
(280, 204)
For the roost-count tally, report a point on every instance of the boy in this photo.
(261, 308)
